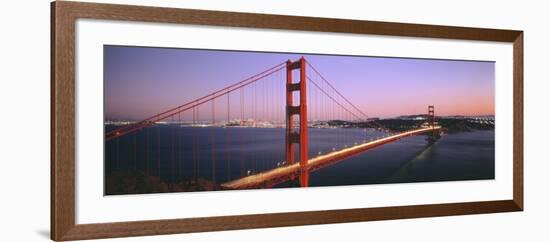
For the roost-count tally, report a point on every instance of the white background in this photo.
(24, 81)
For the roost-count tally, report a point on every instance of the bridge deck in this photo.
(281, 174)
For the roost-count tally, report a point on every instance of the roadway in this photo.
(284, 173)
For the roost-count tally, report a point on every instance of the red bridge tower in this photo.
(431, 114)
(300, 137)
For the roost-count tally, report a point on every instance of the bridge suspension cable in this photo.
(364, 116)
(173, 111)
(241, 120)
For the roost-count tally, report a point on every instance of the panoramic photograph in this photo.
(190, 120)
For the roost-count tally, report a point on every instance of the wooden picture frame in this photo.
(63, 18)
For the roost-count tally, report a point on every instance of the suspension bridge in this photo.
(285, 101)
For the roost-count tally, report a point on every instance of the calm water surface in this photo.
(177, 153)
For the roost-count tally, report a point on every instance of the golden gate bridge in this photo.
(285, 96)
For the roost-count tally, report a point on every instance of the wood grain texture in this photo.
(63, 123)
(63, 132)
(53, 161)
(518, 121)
(268, 21)
(158, 227)
(63, 17)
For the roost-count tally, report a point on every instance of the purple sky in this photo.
(141, 81)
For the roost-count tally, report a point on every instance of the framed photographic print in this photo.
(172, 120)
